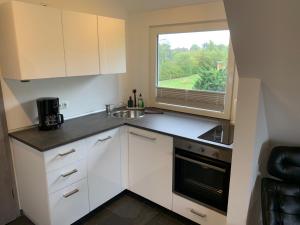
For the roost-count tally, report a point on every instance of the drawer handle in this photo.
(105, 139)
(66, 153)
(70, 193)
(139, 135)
(198, 213)
(69, 173)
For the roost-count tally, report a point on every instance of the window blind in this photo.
(214, 101)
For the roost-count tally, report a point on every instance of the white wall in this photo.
(265, 36)
(84, 94)
(251, 138)
(138, 36)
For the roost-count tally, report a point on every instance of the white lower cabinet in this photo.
(52, 185)
(150, 166)
(196, 212)
(60, 186)
(104, 167)
(69, 204)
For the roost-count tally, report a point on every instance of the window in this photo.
(192, 68)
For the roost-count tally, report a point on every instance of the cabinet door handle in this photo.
(69, 173)
(104, 139)
(67, 153)
(139, 135)
(198, 213)
(71, 193)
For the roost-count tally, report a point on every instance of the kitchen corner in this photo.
(73, 63)
(169, 123)
(92, 159)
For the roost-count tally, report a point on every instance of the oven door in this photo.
(203, 179)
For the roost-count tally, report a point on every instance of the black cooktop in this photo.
(222, 134)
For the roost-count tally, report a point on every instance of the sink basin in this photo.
(128, 114)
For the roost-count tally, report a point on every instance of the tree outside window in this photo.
(193, 61)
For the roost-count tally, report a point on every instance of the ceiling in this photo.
(149, 5)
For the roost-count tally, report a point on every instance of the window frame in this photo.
(187, 28)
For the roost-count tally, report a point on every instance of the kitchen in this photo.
(165, 140)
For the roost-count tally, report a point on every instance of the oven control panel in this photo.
(205, 150)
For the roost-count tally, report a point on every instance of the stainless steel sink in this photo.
(128, 114)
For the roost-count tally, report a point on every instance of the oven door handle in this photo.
(208, 188)
(201, 163)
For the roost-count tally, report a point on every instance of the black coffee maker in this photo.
(49, 116)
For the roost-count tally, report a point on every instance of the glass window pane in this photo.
(193, 61)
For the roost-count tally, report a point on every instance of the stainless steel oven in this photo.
(202, 173)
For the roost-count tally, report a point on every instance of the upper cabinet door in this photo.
(112, 45)
(35, 39)
(81, 43)
(43, 42)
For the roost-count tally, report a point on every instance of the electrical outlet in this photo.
(63, 105)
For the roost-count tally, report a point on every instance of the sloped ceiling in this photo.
(266, 41)
(265, 35)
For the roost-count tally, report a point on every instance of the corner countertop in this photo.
(170, 123)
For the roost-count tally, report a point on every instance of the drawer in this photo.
(66, 176)
(196, 212)
(69, 204)
(64, 155)
(153, 137)
(102, 138)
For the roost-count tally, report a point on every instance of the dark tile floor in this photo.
(21, 221)
(126, 209)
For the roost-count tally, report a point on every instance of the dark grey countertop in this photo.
(170, 123)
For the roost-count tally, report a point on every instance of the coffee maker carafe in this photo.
(48, 112)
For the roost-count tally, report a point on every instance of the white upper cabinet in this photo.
(81, 43)
(31, 41)
(112, 46)
(42, 42)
